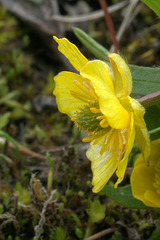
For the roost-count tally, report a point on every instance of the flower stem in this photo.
(109, 22)
(150, 99)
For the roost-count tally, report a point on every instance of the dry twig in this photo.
(24, 150)
(102, 233)
(128, 18)
(150, 99)
(86, 17)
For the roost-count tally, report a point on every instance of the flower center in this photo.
(156, 183)
(91, 119)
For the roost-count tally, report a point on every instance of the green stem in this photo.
(150, 99)
(154, 130)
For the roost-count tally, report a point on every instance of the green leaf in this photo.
(94, 47)
(154, 4)
(123, 196)
(7, 159)
(146, 80)
(22, 193)
(96, 211)
(151, 118)
(9, 138)
(4, 119)
(41, 135)
(60, 234)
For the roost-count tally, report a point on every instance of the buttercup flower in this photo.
(145, 179)
(97, 100)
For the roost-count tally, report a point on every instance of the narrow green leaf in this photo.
(7, 159)
(93, 46)
(154, 4)
(146, 80)
(123, 196)
(9, 138)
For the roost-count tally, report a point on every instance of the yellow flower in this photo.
(97, 99)
(145, 179)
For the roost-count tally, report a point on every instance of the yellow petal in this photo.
(98, 70)
(116, 114)
(70, 51)
(123, 163)
(155, 154)
(139, 112)
(64, 82)
(143, 141)
(103, 166)
(122, 75)
(142, 180)
(155, 151)
(139, 160)
(152, 199)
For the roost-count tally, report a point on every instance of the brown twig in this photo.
(24, 150)
(102, 233)
(150, 99)
(109, 22)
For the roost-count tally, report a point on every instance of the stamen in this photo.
(96, 140)
(86, 85)
(123, 139)
(105, 144)
(100, 117)
(108, 135)
(119, 154)
(88, 139)
(95, 110)
(80, 96)
(104, 123)
(80, 86)
(111, 142)
(90, 89)
(119, 140)
(124, 130)
(85, 88)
